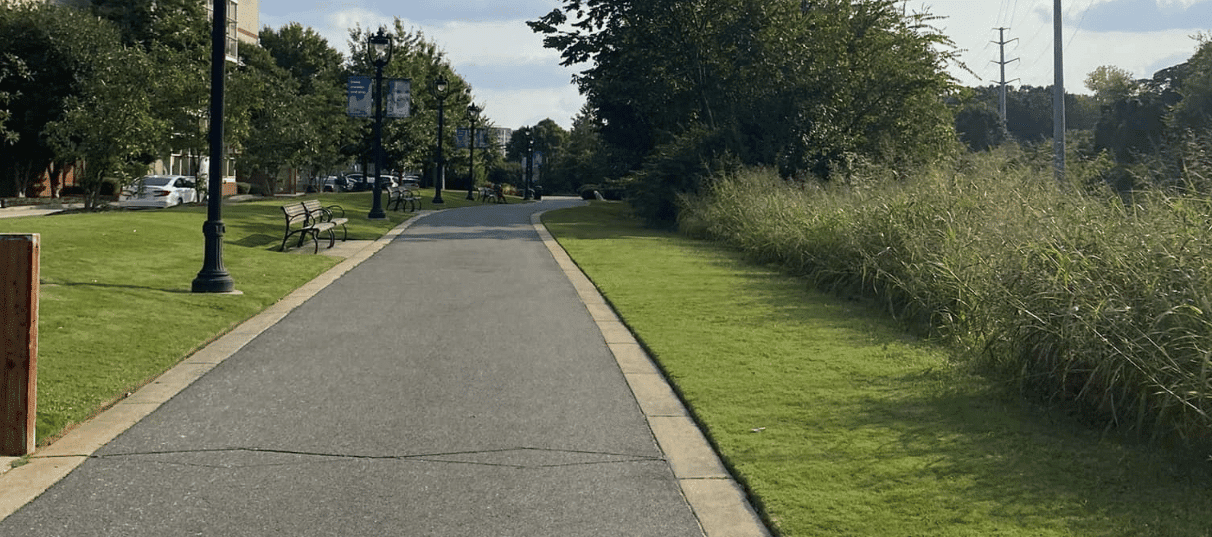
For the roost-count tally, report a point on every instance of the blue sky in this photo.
(520, 83)
(1141, 36)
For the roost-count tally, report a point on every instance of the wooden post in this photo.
(19, 260)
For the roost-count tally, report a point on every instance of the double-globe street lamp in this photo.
(473, 113)
(439, 91)
(380, 47)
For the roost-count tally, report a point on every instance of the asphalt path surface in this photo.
(451, 384)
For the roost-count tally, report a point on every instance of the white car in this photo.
(160, 191)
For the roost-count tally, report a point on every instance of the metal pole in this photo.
(376, 209)
(471, 162)
(1058, 97)
(441, 179)
(529, 162)
(213, 278)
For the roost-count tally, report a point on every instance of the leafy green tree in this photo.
(410, 143)
(805, 86)
(109, 125)
(1194, 111)
(1112, 84)
(11, 67)
(179, 25)
(318, 72)
(54, 50)
(176, 35)
(980, 126)
(267, 98)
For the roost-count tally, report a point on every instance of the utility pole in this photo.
(1058, 97)
(1002, 43)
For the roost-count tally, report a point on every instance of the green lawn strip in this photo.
(862, 430)
(116, 308)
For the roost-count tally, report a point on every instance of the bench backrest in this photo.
(294, 211)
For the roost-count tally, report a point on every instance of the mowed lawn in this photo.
(116, 308)
(839, 423)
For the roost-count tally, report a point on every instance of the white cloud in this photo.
(972, 28)
(1179, 4)
(498, 43)
(517, 108)
(467, 44)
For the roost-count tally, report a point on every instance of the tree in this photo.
(56, 50)
(410, 143)
(317, 70)
(980, 126)
(1194, 111)
(268, 100)
(1112, 84)
(583, 158)
(805, 86)
(109, 125)
(175, 34)
(11, 67)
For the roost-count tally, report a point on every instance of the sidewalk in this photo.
(31, 210)
(459, 377)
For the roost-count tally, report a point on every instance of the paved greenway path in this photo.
(453, 383)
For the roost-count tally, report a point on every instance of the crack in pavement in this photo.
(533, 458)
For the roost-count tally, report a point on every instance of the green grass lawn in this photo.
(838, 423)
(116, 308)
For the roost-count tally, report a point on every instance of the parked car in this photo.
(333, 183)
(159, 191)
(361, 183)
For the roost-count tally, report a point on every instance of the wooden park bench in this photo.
(310, 219)
(328, 214)
(403, 197)
(492, 193)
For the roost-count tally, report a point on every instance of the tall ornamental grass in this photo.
(1071, 293)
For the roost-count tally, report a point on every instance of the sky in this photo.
(519, 83)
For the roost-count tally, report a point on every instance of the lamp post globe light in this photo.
(473, 113)
(380, 48)
(439, 88)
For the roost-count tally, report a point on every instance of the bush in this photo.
(1067, 292)
(243, 188)
(587, 192)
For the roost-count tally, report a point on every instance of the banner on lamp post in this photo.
(399, 98)
(361, 101)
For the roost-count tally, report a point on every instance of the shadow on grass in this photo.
(1001, 455)
(257, 240)
(182, 290)
(865, 429)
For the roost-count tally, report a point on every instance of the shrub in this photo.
(1063, 289)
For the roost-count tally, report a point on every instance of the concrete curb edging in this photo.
(46, 467)
(714, 496)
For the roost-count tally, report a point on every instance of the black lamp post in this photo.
(439, 88)
(380, 47)
(529, 163)
(213, 278)
(473, 113)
